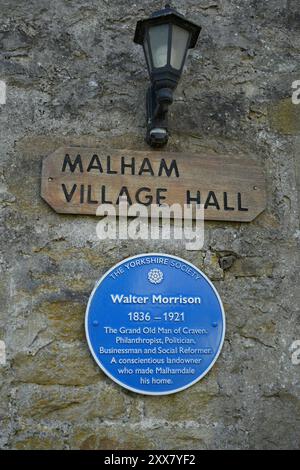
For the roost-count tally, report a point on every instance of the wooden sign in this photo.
(77, 180)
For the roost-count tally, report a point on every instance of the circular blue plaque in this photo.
(155, 324)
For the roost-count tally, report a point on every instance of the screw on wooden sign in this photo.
(77, 180)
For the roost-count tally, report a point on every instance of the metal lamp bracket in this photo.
(158, 102)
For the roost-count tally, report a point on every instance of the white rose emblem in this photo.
(155, 276)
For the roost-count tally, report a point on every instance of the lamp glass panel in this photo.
(180, 39)
(159, 44)
(147, 54)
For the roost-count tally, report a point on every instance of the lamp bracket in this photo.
(158, 102)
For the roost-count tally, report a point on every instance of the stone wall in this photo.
(74, 76)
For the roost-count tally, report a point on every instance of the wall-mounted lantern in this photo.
(166, 37)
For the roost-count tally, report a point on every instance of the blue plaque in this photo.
(155, 324)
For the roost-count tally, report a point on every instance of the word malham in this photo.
(100, 190)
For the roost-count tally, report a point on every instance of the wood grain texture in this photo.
(226, 184)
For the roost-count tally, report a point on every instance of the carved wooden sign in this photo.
(76, 180)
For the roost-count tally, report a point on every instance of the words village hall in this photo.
(98, 193)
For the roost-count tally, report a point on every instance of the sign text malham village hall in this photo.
(77, 180)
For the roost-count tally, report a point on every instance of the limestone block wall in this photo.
(74, 76)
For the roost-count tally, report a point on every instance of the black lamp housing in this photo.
(166, 37)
